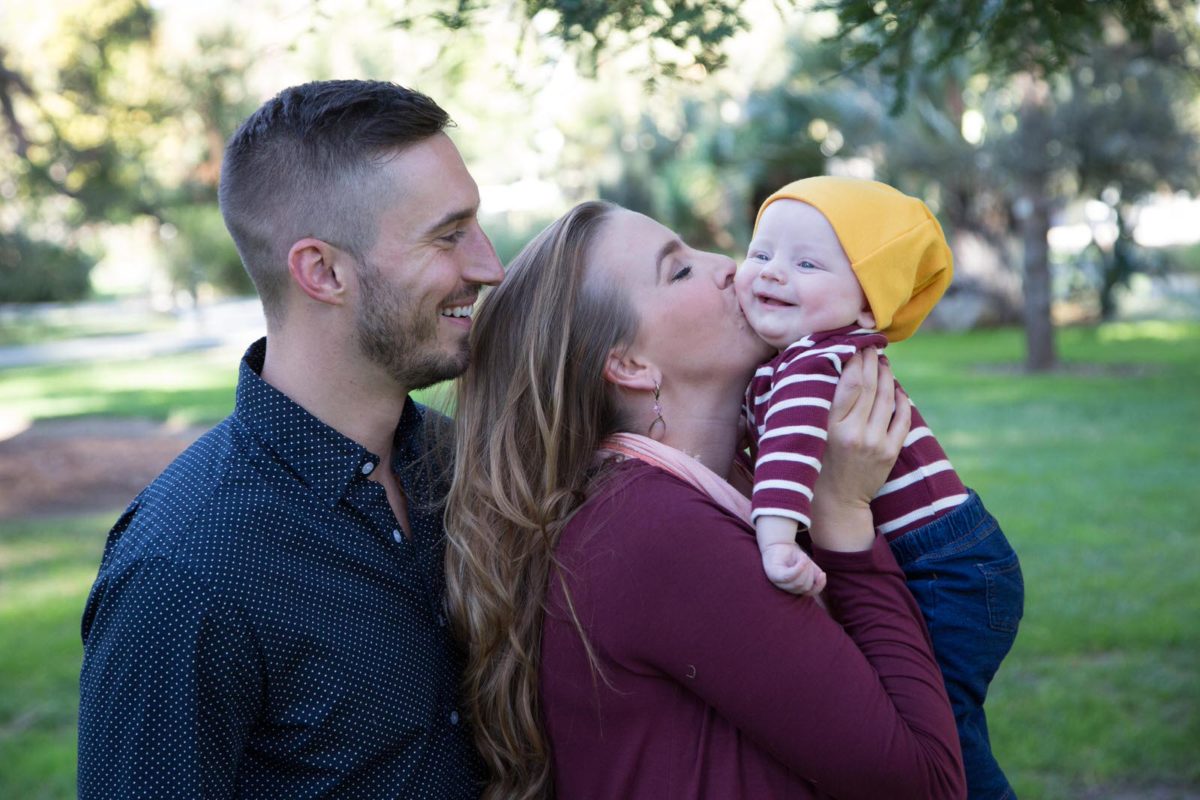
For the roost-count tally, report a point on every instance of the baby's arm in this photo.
(786, 565)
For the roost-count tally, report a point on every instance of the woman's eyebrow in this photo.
(664, 251)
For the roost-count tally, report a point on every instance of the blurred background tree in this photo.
(1020, 108)
(1051, 77)
(1012, 119)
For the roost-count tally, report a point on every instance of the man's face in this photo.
(421, 277)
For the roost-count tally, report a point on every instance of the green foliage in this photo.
(81, 139)
(509, 239)
(200, 250)
(1184, 258)
(687, 182)
(694, 31)
(1004, 37)
(33, 271)
(705, 177)
(105, 128)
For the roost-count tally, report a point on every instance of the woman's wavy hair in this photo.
(531, 409)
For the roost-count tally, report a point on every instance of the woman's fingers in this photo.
(849, 396)
(848, 389)
(870, 381)
(858, 396)
(884, 401)
(900, 425)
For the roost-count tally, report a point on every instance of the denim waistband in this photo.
(967, 524)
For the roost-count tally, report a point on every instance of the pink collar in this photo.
(682, 466)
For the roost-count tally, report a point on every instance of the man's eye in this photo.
(682, 273)
(453, 237)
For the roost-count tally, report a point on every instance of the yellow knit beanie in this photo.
(895, 246)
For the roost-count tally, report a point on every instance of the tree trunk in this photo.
(1118, 267)
(1039, 326)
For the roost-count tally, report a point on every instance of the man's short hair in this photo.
(305, 164)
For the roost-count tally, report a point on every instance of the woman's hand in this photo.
(868, 422)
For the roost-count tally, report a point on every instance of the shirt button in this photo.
(367, 468)
(396, 535)
(453, 717)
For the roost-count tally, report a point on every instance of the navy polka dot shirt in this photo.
(261, 628)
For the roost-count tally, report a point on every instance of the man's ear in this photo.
(319, 269)
(865, 318)
(629, 372)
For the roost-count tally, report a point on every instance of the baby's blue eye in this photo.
(806, 264)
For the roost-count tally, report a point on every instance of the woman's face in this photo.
(690, 324)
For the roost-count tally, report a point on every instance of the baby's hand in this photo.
(790, 568)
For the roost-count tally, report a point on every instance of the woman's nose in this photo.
(726, 268)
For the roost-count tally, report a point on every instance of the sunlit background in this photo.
(1057, 143)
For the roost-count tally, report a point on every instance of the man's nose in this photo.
(483, 265)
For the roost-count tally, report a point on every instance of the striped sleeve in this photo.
(791, 415)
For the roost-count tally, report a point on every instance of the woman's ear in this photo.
(629, 372)
(319, 269)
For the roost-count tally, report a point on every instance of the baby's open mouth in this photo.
(771, 301)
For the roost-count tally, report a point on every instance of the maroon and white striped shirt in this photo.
(788, 405)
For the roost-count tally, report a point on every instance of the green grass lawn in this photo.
(1093, 477)
(1092, 473)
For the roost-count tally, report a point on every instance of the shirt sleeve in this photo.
(791, 436)
(852, 704)
(169, 687)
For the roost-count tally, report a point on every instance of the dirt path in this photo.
(74, 466)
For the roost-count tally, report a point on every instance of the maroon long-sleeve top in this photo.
(715, 684)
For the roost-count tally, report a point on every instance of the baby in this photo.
(836, 265)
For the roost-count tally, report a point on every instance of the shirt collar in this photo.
(324, 459)
(837, 333)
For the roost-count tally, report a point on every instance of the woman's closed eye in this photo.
(681, 273)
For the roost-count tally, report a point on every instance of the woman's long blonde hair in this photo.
(532, 407)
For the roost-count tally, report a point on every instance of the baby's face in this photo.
(796, 278)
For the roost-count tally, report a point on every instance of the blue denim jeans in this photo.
(967, 581)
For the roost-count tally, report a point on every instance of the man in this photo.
(267, 620)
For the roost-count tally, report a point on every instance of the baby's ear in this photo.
(865, 318)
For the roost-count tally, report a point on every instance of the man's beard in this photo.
(394, 337)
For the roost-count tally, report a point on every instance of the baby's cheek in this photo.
(742, 281)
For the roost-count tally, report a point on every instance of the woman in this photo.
(623, 641)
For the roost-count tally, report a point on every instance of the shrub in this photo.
(34, 271)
